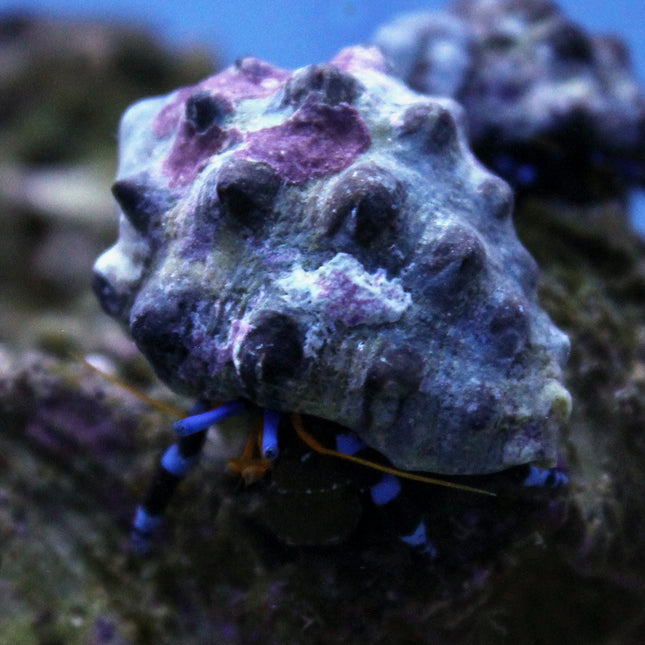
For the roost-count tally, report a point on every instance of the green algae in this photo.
(594, 284)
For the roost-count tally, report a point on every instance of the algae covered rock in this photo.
(550, 107)
(323, 241)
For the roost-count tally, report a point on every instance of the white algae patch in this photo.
(342, 291)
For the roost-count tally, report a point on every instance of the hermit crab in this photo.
(321, 246)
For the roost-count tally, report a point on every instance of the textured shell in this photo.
(521, 70)
(323, 241)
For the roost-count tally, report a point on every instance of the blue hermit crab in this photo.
(322, 248)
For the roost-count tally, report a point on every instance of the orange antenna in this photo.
(318, 447)
(160, 405)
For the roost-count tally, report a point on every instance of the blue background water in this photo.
(292, 33)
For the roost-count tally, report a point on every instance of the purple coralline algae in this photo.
(545, 101)
(323, 241)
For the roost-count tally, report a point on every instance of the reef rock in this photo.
(548, 106)
(323, 241)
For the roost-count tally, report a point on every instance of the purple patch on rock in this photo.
(70, 422)
(191, 151)
(248, 78)
(317, 140)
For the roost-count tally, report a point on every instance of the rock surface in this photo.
(550, 107)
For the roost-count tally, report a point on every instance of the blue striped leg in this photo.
(173, 467)
(270, 449)
(387, 495)
(545, 477)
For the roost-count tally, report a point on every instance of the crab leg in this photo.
(269, 448)
(202, 421)
(549, 477)
(175, 463)
(385, 492)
